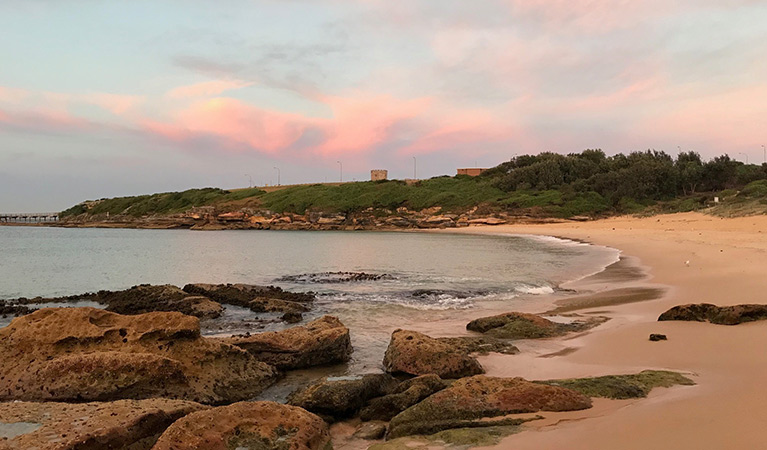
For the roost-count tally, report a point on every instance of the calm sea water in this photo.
(436, 281)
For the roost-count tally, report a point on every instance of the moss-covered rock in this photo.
(623, 386)
(474, 401)
(407, 394)
(515, 325)
(459, 438)
(341, 397)
(720, 315)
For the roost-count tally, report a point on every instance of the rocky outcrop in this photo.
(341, 397)
(620, 387)
(407, 394)
(87, 354)
(147, 298)
(247, 425)
(324, 341)
(256, 298)
(474, 401)
(124, 424)
(515, 325)
(720, 315)
(415, 353)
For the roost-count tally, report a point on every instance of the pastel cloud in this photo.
(206, 89)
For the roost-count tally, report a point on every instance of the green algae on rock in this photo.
(458, 438)
(515, 325)
(620, 387)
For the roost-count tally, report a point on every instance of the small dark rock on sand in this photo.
(658, 337)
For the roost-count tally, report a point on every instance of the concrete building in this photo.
(378, 174)
(473, 172)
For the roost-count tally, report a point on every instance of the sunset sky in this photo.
(106, 98)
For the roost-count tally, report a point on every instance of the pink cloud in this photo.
(116, 104)
(12, 95)
(206, 89)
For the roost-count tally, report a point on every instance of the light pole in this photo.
(746, 155)
(342, 170)
(415, 175)
(251, 179)
(278, 175)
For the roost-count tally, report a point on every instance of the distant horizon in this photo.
(123, 98)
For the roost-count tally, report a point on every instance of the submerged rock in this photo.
(324, 341)
(472, 402)
(415, 353)
(340, 397)
(720, 315)
(623, 386)
(407, 394)
(334, 277)
(88, 354)
(515, 325)
(134, 424)
(247, 425)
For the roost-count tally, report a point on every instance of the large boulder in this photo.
(247, 426)
(414, 353)
(134, 424)
(88, 354)
(147, 298)
(407, 394)
(720, 315)
(516, 325)
(474, 401)
(341, 397)
(321, 342)
(257, 298)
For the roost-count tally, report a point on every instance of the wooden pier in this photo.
(29, 217)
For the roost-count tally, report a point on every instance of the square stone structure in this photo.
(378, 174)
(473, 172)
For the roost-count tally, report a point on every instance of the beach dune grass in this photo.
(620, 387)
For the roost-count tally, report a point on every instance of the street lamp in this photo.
(278, 175)
(342, 170)
(415, 176)
(746, 155)
(251, 179)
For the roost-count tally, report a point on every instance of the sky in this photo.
(101, 99)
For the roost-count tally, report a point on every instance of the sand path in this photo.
(728, 408)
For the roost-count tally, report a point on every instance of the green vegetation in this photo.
(623, 386)
(165, 203)
(459, 438)
(545, 185)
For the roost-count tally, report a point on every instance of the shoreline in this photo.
(727, 263)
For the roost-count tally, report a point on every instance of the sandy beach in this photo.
(690, 258)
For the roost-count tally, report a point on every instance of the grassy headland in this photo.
(547, 185)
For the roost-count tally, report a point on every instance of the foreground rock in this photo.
(341, 397)
(407, 394)
(88, 354)
(720, 315)
(415, 353)
(247, 425)
(472, 402)
(256, 298)
(134, 424)
(324, 341)
(515, 325)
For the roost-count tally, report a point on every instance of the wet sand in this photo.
(727, 266)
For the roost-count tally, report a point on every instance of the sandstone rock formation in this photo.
(340, 397)
(720, 315)
(474, 401)
(247, 425)
(515, 325)
(147, 298)
(87, 354)
(415, 353)
(324, 341)
(124, 424)
(407, 394)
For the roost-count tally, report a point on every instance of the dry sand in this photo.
(728, 407)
